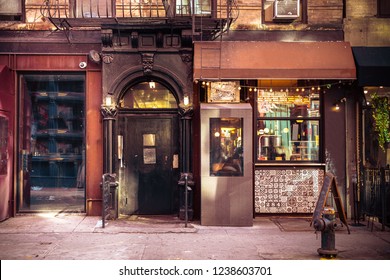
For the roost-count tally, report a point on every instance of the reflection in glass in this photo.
(201, 7)
(52, 141)
(271, 104)
(226, 147)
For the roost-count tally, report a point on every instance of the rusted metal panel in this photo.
(273, 60)
(7, 111)
(94, 142)
(54, 62)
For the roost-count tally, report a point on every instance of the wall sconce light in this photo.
(108, 101)
(186, 100)
(337, 104)
(108, 108)
(152, 84)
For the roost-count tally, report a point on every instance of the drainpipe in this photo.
(346, 197)
(186, 177)
(109, 111)
(358, 165)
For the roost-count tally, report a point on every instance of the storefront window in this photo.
(226, 150)
(288, 126)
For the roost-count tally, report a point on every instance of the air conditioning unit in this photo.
(11, 7)
(286, 9)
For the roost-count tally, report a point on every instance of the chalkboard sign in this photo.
(329, 184)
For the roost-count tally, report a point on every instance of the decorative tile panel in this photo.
(287, 190)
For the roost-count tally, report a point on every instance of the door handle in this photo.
(120, 150)
(175, 161)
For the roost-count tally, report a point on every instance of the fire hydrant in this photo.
(327, 225)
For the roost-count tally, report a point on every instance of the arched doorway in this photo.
(148, 149)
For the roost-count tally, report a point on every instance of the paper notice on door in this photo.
(175, 162)
(149, 156)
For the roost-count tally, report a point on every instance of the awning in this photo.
(273, 60)
(372, 65)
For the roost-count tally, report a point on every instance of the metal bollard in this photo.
(327, 225)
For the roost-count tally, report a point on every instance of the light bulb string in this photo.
(283, 88)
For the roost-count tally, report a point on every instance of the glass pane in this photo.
(202, 7)
(93, 9)
(288, 140)
(271, 104)
(148, 95)
(149, 139)
(52, 135)
(226, 147)
(183, 7)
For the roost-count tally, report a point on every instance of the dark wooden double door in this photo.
(149, 166)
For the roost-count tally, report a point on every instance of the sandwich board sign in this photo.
(330, 185)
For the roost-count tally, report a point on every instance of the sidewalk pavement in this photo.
(80, 237)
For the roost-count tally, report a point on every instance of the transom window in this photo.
(148, 95)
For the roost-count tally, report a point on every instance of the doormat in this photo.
(293, 224)
(152, 219)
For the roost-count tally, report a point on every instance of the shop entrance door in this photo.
(51, 141)
(148, 167)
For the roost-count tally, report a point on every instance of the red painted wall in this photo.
(94, 141)
(7, 112)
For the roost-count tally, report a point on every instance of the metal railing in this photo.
(375, 195)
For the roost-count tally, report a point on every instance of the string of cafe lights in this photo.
(297, 89)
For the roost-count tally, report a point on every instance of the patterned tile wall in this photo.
(287, 190)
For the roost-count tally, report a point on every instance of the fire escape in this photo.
(199, 20)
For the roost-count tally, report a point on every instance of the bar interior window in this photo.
(288, 125)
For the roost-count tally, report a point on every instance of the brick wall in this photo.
(361, 8)
(319, 12)
(362, 27)
(325, 12)
(249, 15)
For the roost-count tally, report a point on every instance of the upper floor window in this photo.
(122, 8)
(198, 7)
(383, 8)
(11, 10)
